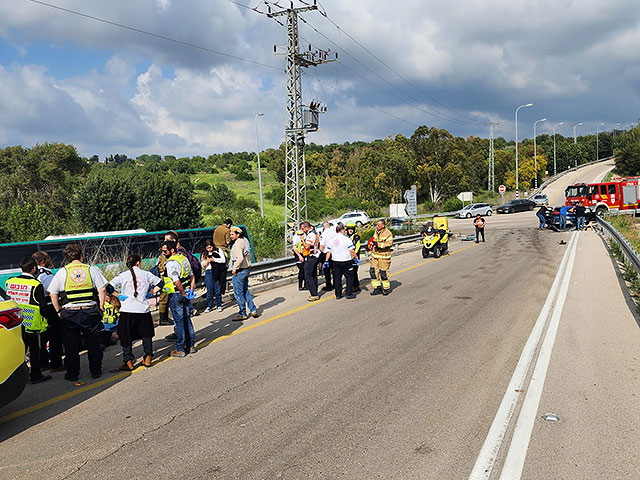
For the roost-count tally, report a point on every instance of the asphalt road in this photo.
(405, 386)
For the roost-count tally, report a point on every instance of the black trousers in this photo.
(53, 335)
(300, 266)
(311, 274)
(326, 271)
(147, 348)
(32, 345)
(356, 281)
(76, 326)
(340, 269)
(479, 231)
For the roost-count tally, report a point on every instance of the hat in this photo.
(237, 230)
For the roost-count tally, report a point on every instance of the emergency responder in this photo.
(28, 293)
(479, 223)
(311, 252)
(381, 244)
(73, 293)
(325, 260)
(296, 248)
(53, 355)
(178, 281)
(355, 239)
(163, 299)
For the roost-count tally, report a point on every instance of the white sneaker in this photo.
(207, 310)
(219, 309)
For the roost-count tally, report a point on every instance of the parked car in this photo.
(518, 205)
(356, 216)
(540, 199)
(14, 373)
(474, 209)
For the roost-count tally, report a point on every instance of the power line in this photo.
(429, 110)
(324, 13)
(156, 35)
(335, 88)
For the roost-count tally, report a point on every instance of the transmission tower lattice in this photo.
(301, 118)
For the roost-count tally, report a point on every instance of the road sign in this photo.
(502, 189)
(411, 196)
(465, 196)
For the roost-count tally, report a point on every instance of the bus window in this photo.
(612, 189)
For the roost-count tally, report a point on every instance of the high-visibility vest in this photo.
(185, 274)
(355, 239)
(306, 251)
(21, 290)
(110, 315)
(479, 223)
(78, 285)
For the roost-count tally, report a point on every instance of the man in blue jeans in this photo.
(179, 279)
(240, 264)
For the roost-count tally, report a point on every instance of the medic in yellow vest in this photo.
(28, 293)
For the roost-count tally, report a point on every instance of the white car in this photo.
(357, 217)
(474, 209)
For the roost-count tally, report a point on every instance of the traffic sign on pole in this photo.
(411, 196)
(502, 189)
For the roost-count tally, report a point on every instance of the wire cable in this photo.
(156, 35)
(324, 13)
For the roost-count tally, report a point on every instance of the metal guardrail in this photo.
(628, 251)
(562, 174)
(269, 266)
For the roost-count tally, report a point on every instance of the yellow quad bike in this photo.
(435, 237)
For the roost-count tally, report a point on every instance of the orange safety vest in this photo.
(479, 223)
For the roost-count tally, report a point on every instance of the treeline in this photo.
(50, 189)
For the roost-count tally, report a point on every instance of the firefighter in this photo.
(381, 244)
(355, 239)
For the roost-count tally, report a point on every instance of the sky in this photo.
(456, 65)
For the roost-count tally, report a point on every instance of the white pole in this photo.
(521, 106)
(554, 147)
(535, 151)
(259, 170)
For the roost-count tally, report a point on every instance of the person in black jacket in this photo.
(580, 213)
(542, 215)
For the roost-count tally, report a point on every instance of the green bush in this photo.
(276, 195)
(204, 186)
(451, 204)
(244, 176)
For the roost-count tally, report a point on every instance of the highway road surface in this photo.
(446, 378)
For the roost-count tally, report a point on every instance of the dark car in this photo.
(518, 205)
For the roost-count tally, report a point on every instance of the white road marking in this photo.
(514, 462)
(489, 452)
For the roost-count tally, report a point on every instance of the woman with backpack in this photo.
(240, 264)
(135, 315)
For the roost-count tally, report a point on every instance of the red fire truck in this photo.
(612, 196)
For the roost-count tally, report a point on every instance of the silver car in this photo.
(540, 199)
(474, 209)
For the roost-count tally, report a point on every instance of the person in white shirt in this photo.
(296, 241)
(328, 232)
(342, 251)
(135, 315)
(311, 252)
(73, 293)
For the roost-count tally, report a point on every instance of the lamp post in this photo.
(597, 139)
(617, 128)
(575, 138)
(259, 171)
(521, 106)
(535, 151)
(554, 147)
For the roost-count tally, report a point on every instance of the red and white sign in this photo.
(502, 189)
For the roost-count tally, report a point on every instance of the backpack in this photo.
(196, 266)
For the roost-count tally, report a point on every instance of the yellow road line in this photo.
(65, 396)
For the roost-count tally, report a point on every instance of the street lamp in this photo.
(575, 138)
(259, 171)
(535, 151)
(521, 106)
(554, 147)
(617, 128)
(597, 139)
